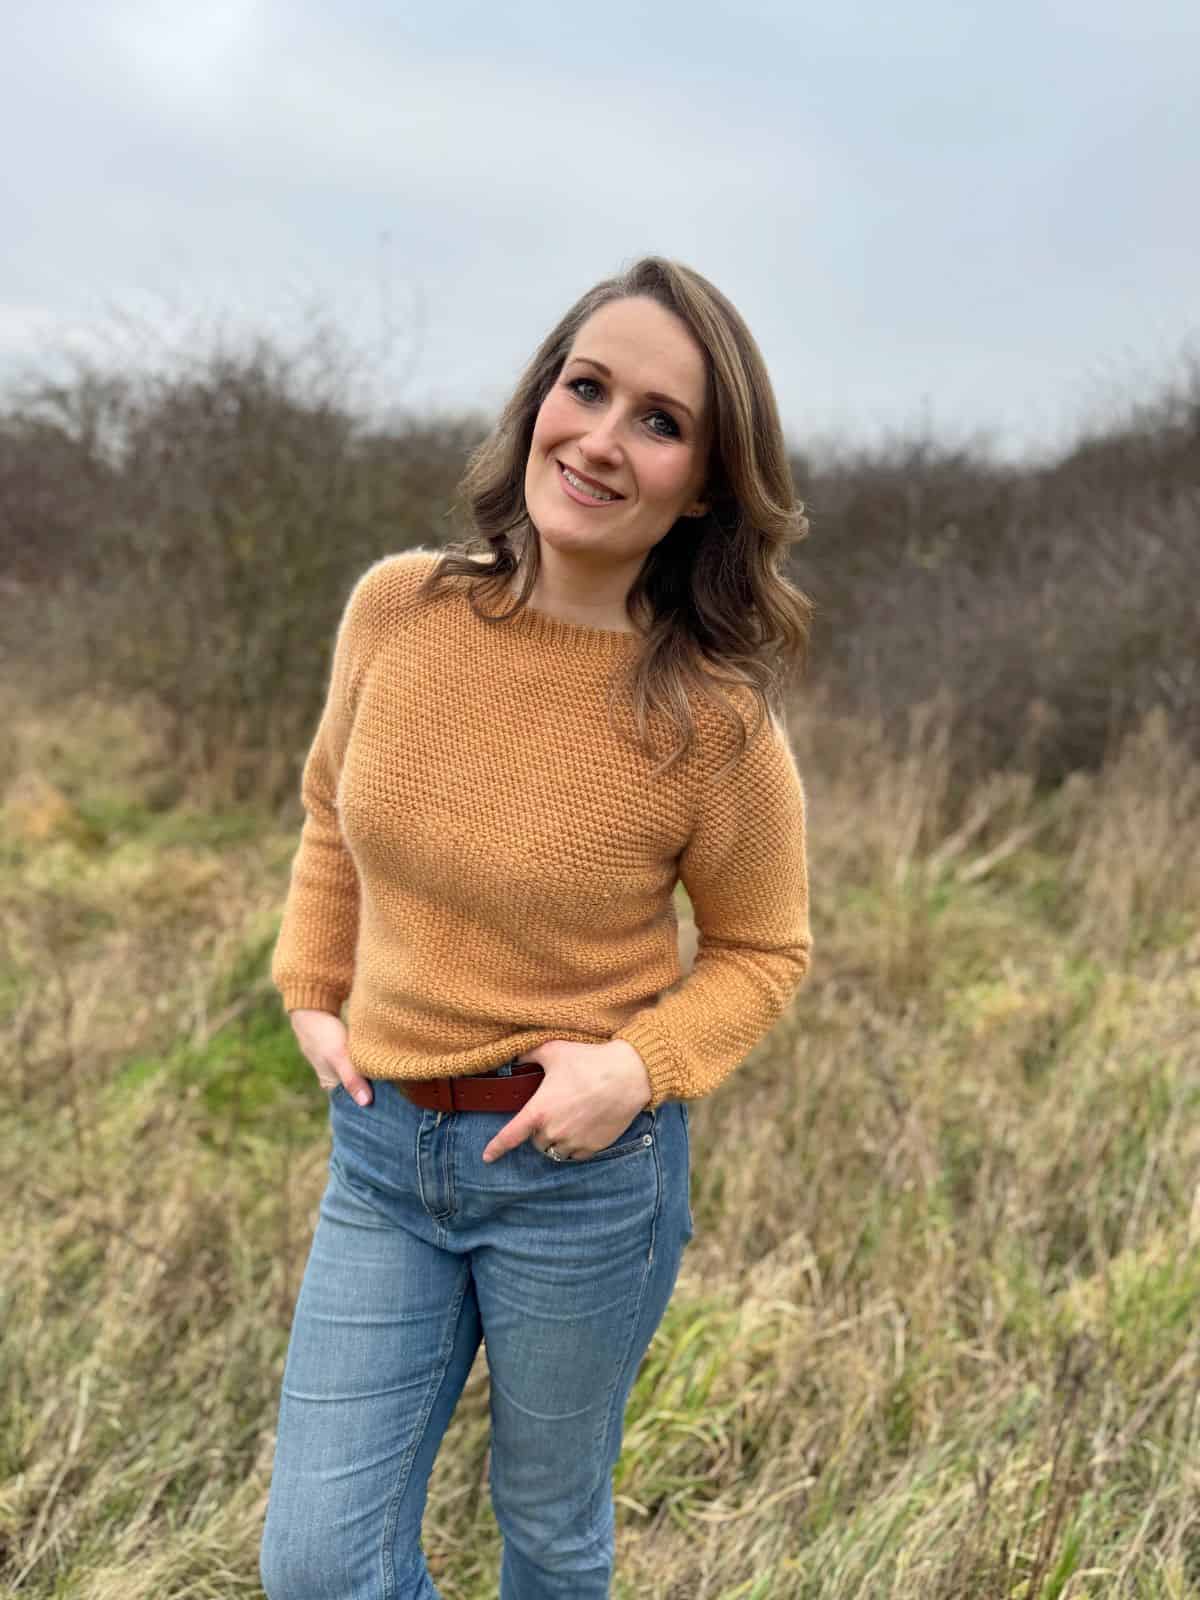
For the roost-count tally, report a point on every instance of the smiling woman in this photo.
(487, 872)
(607, 438)
(652, 388)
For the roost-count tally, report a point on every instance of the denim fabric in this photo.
(564, 1269)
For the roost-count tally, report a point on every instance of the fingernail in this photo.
(363, 1098)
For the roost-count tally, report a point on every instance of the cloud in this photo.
(956, 202)
(319, 105)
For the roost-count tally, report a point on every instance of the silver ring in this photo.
(553, 1154)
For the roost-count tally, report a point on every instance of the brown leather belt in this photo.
(478, 1091)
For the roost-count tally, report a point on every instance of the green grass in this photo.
(936, 1335)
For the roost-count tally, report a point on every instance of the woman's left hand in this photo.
(590, 1094)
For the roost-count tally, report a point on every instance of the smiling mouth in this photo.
(581, 485)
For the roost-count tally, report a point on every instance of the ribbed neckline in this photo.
(529, 623)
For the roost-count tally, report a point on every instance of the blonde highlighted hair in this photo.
(711, 601)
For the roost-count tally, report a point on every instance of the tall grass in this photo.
(936, 1335)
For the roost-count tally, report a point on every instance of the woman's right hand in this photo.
(322, 1040)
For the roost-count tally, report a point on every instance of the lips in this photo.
(585, 477)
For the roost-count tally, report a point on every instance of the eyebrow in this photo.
(663, 399)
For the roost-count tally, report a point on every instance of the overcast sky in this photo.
(974, 218)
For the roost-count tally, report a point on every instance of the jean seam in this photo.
(386, 1554)
(417, 1168)
(687, 1146)
(637, 1309)
(448, 1171)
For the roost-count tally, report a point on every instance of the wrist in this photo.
(636, 1068)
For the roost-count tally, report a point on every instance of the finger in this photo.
(514, 1132)
(358, 1087)
(571, 1155)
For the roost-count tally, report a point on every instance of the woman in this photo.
(491, 842)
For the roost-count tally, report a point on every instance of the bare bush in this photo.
(241, 507)
(1058, 606)
(188, 536)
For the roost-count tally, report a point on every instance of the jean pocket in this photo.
(636, 1139)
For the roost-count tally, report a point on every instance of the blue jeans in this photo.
(421, 1249)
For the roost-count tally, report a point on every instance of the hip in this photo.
(424, 1166)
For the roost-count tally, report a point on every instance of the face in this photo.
(619, 449)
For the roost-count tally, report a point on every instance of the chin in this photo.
(555, 522)
(566, 539)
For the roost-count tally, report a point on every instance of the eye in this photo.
(575, 384)
(589, 390)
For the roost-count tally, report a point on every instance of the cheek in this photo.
(666, 481)
(552, 421)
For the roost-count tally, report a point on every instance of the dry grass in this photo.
(935, 1336)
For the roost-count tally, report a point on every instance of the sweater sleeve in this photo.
(312, 965)
(745, 870)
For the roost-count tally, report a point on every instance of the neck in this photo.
(569, 593)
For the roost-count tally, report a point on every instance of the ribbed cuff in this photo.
(658, 1056)
(311, 997)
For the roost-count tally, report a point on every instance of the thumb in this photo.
(358, 1087)
(514, 1132)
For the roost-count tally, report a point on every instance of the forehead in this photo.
(647, 347)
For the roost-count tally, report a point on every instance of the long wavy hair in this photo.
(711, 602)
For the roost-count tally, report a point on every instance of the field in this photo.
(936, 1335)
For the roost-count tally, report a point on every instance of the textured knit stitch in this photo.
(486, 865)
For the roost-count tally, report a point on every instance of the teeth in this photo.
(586, 488)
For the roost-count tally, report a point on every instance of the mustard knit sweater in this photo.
(485, 865)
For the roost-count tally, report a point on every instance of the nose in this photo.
(600, 443)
